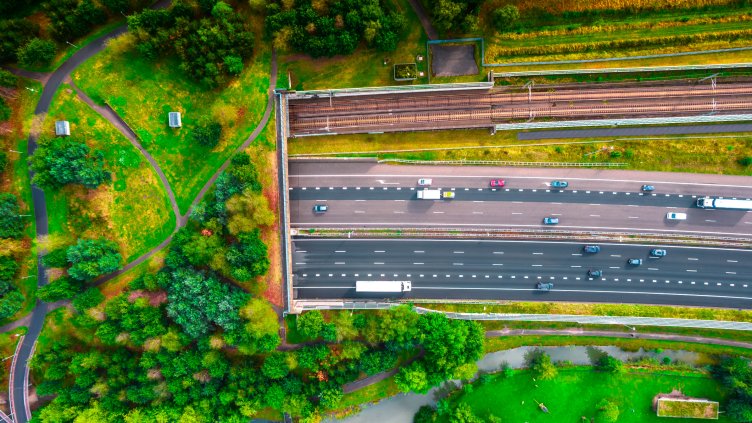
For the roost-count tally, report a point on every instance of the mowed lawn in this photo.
(133, 210)
(575, 393)
(142, 92)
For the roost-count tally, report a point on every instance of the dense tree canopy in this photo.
(11, 221)
(62, 161)
(338, 30)
(736, 375)
(90, 258)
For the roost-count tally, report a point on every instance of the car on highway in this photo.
(550, 220)
(544, 286)
(634, 262)
(648, 188)
(320, 208)
(425, 182)
(497, 183)
(447, 194)
(559, 184)
(595, 273)
(591, 249)
(676, 216)
(657, 252)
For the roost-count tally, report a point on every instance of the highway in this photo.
(317, 114)
(373, 195)
(510, 270)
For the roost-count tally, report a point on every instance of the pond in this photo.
(401, 408)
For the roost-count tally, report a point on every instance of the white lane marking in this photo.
(576, 254)
(478, 201)
(438, 212)
(498, 252)
(497, 264)
(595, 215)
(732, 261)
(692, 258)
(710, 220)
(378, 262)
(416, 263)
(614, 267)
(418, 251)
(399, 212)
(360, 200)
(652, 268)
(692, 270)
(459, 252)
(477, 212)
(359, 211)
(633, 217)
(575, 266)
(301, 251)
(730, 273)
(615, 255)
(537, 254)
(340, 251)
(516, 213)
(379, 251)
(299, 263)
(339, 262)
(537, 265)
(457, 264)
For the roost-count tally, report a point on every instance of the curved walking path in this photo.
(425, 21)
(18, 392)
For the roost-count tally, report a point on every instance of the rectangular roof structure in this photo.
(174, 119)
(62, 128)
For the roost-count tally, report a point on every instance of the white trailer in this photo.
(724, 203)
(383, 286)
(429, 194)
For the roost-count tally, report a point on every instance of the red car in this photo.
(497, 183)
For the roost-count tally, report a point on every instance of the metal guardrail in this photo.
(623, 122)
(389, 89)
(282, 127)
(503, 163)
(620, 70)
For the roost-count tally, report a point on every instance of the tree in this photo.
(412, 378)
(541, 365)
(7, 79)
(330, 398)
(11, 223)
(64, 161)
(8, 268)
(247, 212)
(462, 413)
(745, 161)
(36, 52)
(234, 65)
(60, 289)
(5, 112)
(92, 297)
(208, 135)
(505, 17)
(425, 414)
(445, 12)
(93, 257)
(11, 303)
(275, 366)
(249, 257)
(608, 410)
(610, 364)
(310, 323)
(735, 373)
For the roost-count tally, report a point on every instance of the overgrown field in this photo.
(143, 92)
(133, 210)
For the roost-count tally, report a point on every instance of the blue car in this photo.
(657, 252)
(648, 188)
(591, 249)
(559, 184)
(550, 220)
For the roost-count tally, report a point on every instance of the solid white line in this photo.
(692, 270)
(652, 268)
(339, 262)
(418, 251)
(538, 254)
(537, 265)
(418, 263)
(732, 261)
(340, 251)
(692, 258)
(379, 251)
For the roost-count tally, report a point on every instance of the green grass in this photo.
(8, 341)
(291, 330)
(576, 392)
(133, 211)
(509, 342)
(351, 402)
(142, 92)
(363, 68)
(719, 154)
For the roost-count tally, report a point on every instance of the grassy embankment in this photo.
(576, 392)
(696, 153)
(14, 135)
(363, 68)
(133, 210)
(142, 92)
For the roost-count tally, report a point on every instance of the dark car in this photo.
(544, 286)
(559, 184)
(648, 188)
(550, 220)
(591, 249)
(320, 208)
(634, 262)
(657, 252)
(595, 273)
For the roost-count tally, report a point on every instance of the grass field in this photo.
(363, 68)
(719, 154)
(575, 393)
(133, 211)
(143, 92)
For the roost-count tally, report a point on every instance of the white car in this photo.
(425, 182)
(676, 216)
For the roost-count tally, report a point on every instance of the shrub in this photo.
(36, 52)
(8, 268)
(11, 303)
(88, 299)
(505, 17)
(11, 223)
(5, 111)
(93, 257)
(56, 258)
(745, 161)
(63, 288)
(63, 161)
(208, 135)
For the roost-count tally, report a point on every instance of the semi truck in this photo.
(429, 194)
(383, 286)
(724, 203)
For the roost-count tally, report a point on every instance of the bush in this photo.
(93, 257)
(309, 324)
(745, 161)
(208, 135)
(36, 52)
(63, 161)
(63, 288)
(8, 268)
(56, 258)
(5, 111)
(88, 299)
(11, 223)
(505, 17)
(11, 303)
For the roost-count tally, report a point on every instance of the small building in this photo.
(62, 128)
(174, 119)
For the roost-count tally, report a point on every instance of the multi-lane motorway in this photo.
(320, 114)
(509, 270)
(370, 195)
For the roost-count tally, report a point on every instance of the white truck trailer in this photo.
(429, 194)
(724, 203)
(383, 286)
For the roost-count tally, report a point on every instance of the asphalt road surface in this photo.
(330, 113)
(371, 195)
(509, 270)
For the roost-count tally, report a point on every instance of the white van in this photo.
(676, 216)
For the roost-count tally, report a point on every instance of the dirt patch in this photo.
(155, 298)
(274, 290)
(453, 60)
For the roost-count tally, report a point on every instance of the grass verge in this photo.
(133, 211)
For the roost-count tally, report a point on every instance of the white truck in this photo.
(724, 203)
(429, 194)
(383, 286)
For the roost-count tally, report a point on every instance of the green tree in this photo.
(234, 65)
(541, 365)
(310, 323)
(504, 18)
(11, 223)
(248, 258)
(248, 211)
(11, 303)
(445, 13)
(330, 398)
(608, 411)
(90, 258)
(462, 413)
(92, 297)
(208, 135)
(5, 112)
(275, 366)
(60, 289)
(425, 414)
(412, 378)
(36, 52)
(745, 161)
(610, 364)
(8, 268)
(64, 161)
(7, 79)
